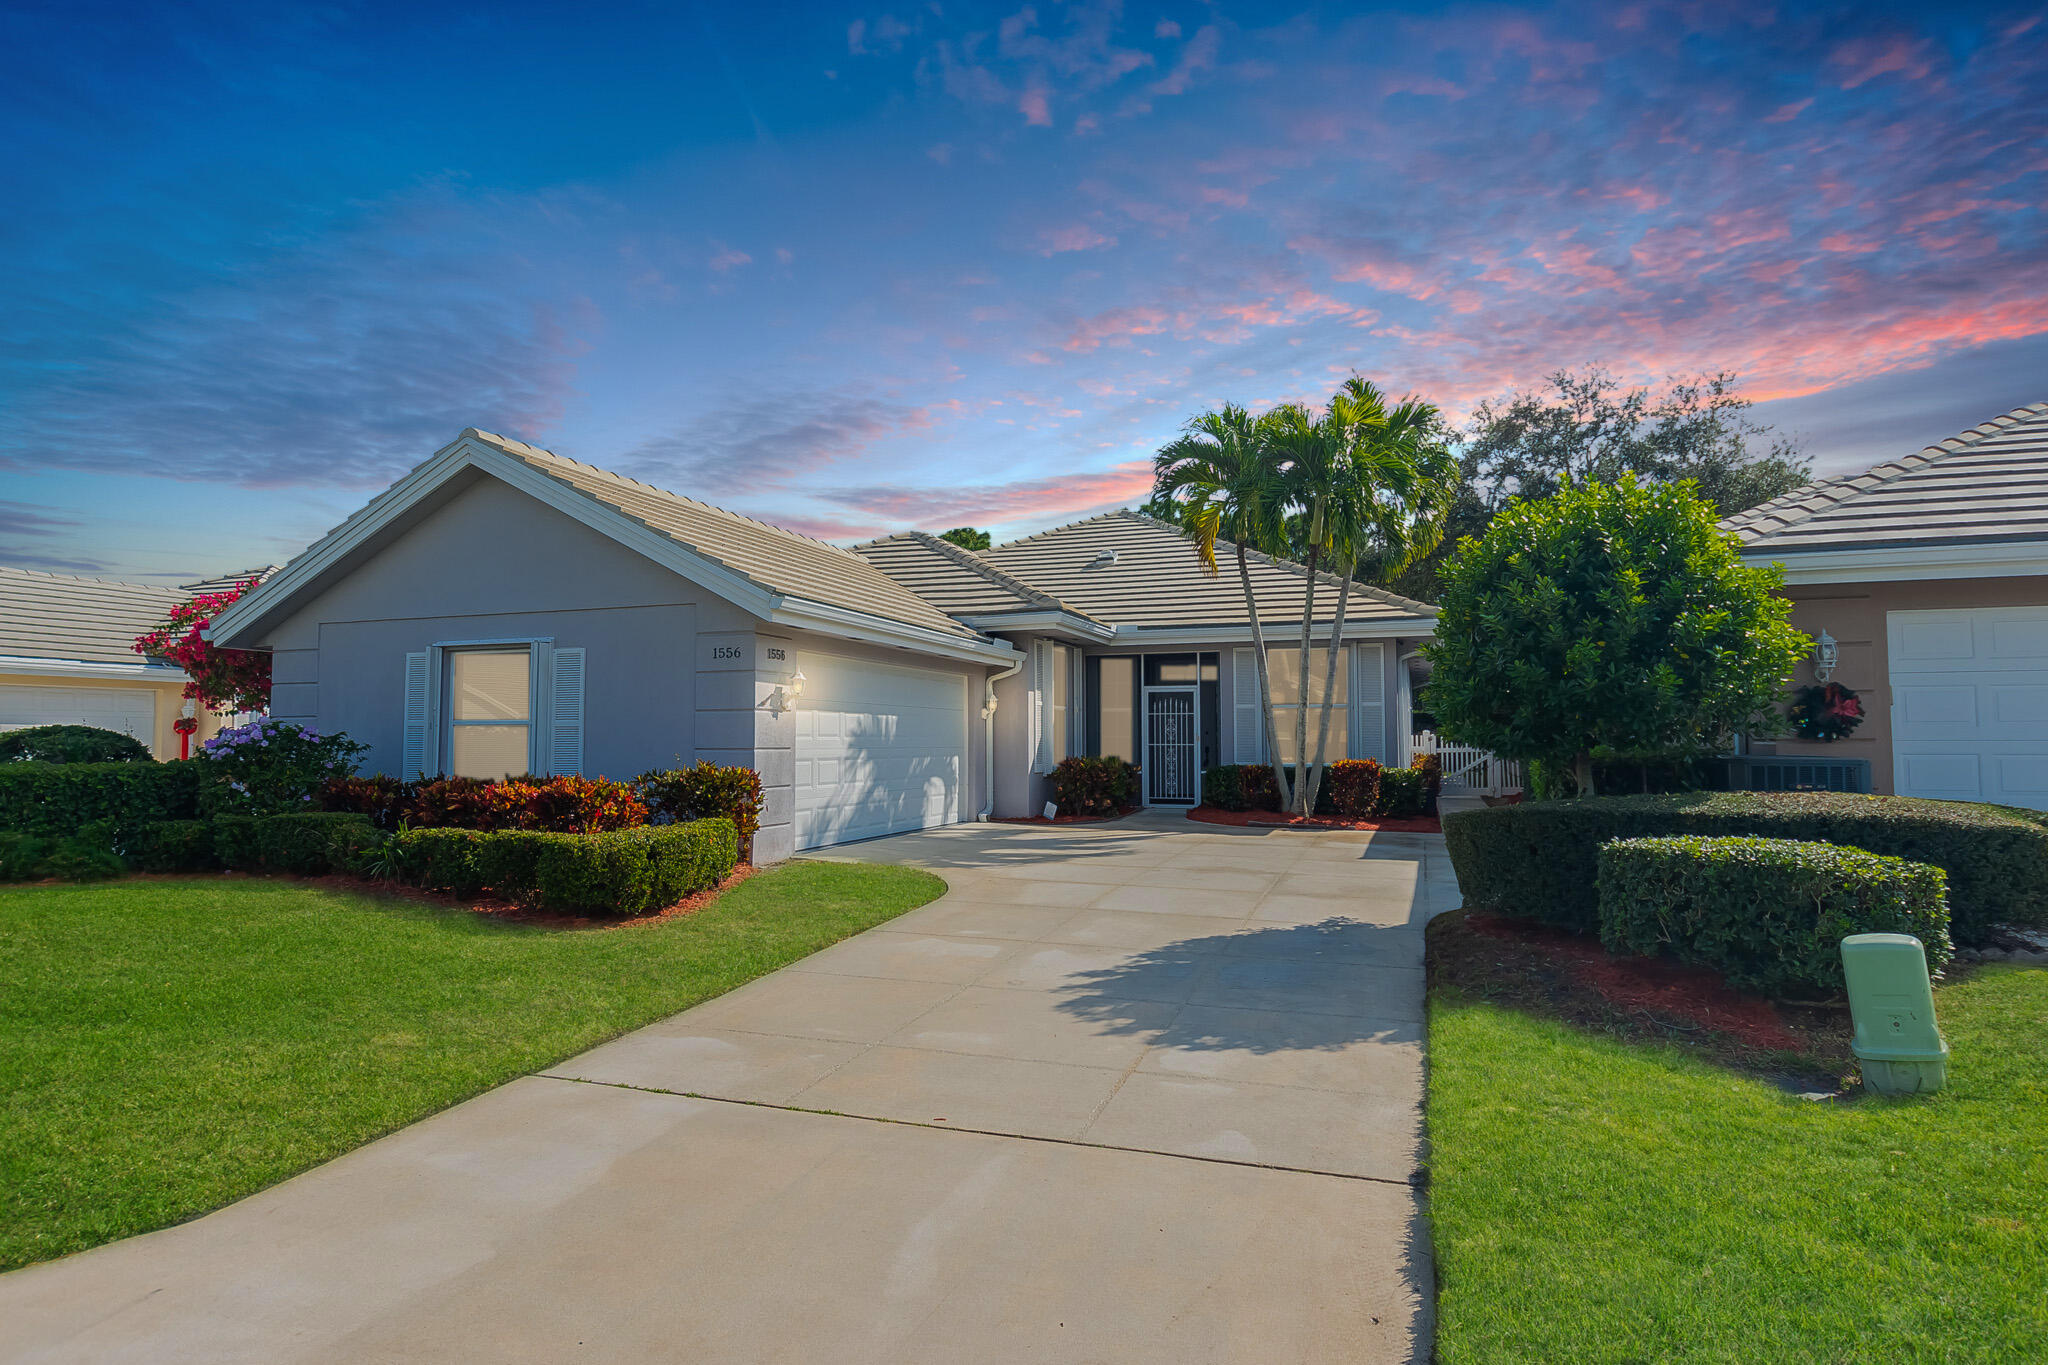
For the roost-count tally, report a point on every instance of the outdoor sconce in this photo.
(1825, 656)
(784, 697)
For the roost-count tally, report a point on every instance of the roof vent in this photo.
(1103, 560)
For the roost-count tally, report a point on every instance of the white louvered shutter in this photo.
(1369, 701)
(414, 759)
(1247, 727)
(565, 712)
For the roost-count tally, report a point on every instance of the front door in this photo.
(1173, 746)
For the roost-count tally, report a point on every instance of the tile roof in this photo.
(1154, 579)
(59, 616)
(228, 580)
(778, 560)
(1985, 485)
(953, 578)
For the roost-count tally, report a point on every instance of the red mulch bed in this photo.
(1065, 819)
(1268, 819)
(1545, 971)
(512, 912)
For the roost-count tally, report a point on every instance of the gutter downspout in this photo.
(988, 726)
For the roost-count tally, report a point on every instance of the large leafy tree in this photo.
(1221, 481)
(218, 679)
(967, 538)
(1609, 614)
(1587, 426)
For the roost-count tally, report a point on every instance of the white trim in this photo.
(804, 614)
(1039, 621)
(1907, 563)
(138, 672)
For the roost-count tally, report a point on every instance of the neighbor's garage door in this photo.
(1970, 704)
(879, 749)
(131, 710)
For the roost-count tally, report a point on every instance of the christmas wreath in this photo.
(1825, 713)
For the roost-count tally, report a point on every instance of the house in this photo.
(67, 657)
(1929, 575)
(503, 609)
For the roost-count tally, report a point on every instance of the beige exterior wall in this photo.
(166, 694)
(1854, 613)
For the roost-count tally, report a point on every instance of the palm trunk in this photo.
(1308, 616)
(1251, 605)
(1315, 780)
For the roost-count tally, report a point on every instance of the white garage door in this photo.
(879, 749)
(1970, 704)
(131, 710)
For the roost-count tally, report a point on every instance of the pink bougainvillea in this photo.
(220, 679)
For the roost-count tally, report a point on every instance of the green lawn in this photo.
(167, 1046)
(1595, 1200)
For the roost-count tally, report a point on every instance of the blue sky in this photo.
(859, 268)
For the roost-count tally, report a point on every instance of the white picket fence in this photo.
(1467, 771)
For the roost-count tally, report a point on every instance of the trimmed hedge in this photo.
(310, 844)
(57, 798)
(31, 857)
(1768, 914)
(1354, 786)
(173, 846)
(71, 744)
(1094, 785)
(618, 873)
(1540, 860)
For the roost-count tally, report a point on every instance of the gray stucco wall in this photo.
(489, 562)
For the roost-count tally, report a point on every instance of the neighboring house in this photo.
(502, 609)
(67, 657)
(1931, 575)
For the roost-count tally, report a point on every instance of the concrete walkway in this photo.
(1141, 1092)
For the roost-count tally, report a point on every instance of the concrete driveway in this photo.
(1141, 1092)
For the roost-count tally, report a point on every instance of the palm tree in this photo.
(1222, 481)
(1312, 453)
(1392, 492)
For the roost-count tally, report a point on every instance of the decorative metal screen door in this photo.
(1173, 746)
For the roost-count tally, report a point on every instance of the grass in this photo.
(168, 1046)
(1600, 1200)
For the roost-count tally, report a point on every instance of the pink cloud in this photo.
(1036, 107)
(1079, 237)
(1021, 501)
(725, 258)
(1866, 59)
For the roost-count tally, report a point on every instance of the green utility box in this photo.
(1893, 1007)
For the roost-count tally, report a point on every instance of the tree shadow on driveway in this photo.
(1322, 986)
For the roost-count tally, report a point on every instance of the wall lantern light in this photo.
(1825, 657)
(783, 698)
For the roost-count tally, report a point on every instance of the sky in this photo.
(859, 269)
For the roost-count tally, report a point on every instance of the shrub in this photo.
(1354, 787)
(442, 859)
(1539, 860)
(173, 846)
(569, 805)
(1241, 786)
(629, 872)
(21, 855)
(1768, 914)
(452, 803)
(705, 791)
(311, 843)
(386, 800)
(1094, 785)
(268, 767)
(71, 744)
(1404, 794)
(1432, 769)
(57, 798)
(80, 860)
(617, 872)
